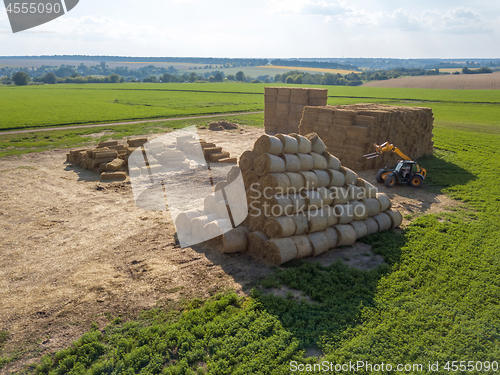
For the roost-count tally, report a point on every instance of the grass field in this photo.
(437, 299)
(43, 106)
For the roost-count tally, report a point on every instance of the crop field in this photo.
(45, 106)
(435, 299)
(489, 81)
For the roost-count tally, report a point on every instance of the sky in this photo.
(266, 29)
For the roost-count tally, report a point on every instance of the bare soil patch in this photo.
(487, 81)
(76, 250)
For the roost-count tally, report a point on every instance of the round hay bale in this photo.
(280, 250)
(346, 235)
(311, 180)
(332, 161)
(359, 228)
(183, 221)
(278, 227)
(313, 199)
(323, 177)
(351, 178)
(209, 204)
(222, 210)
(198, 225)
(268, 144)
(372, 206)
(320, 243)
(370, 190)
(384, 222)
(333, 237)
(216, 228)
(318, 145)
(326, 195)
(306, 162)
(299, 203)
(355, 193)
(359, 210)
(246, 230)
(385, 202)
(256, 222)
(301, 224)
(340, 195)
(305, 145)
(250, 178)
(344, 213)
(247, 160)
(280, 206)
(371, 225)
(233, 174)
(331, 217)
(292, 162)
(275, 183)
(267, 163)
(290, 144)
(256, 241)
(318, 220)
(297, 182)
(235, 241)
(319, 161)
(396, 217)
(303, 246)
(337, 178)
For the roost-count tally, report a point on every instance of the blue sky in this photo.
(272, 29)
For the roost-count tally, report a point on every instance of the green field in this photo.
(436, 299)
(43, 106)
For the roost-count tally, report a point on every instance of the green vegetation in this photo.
(16, 144)
(225, 335)
(43, 106)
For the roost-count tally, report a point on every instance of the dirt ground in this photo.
(488, 81)
(76, 251)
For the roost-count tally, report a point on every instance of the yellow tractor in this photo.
(406, 171)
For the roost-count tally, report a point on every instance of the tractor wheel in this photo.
(378, 177)
(416, 181)
(390, 181)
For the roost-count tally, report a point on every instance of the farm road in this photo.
(126, 123)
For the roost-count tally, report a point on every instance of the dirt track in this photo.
(489, 81)
(75, 250)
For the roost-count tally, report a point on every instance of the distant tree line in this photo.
(313, 64)
(466, 70)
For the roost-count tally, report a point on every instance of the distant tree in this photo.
(102, 64)
(218, 77)
(114, 78)
(64, 71)
(6, 80)
(21, 78)
(255, 81)
(289, 79)
(298, 79)
(277, 78)
(240, 76)
(230, 77)
(151, 79)
(50, 78)
(466, 70)
(192, 77)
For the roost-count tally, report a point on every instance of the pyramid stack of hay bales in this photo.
(349, 131)
(302, 201)
(284, 106)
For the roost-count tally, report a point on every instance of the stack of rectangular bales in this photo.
(349, 131)
(284, 106)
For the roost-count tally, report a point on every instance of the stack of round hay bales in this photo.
(302, 201)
